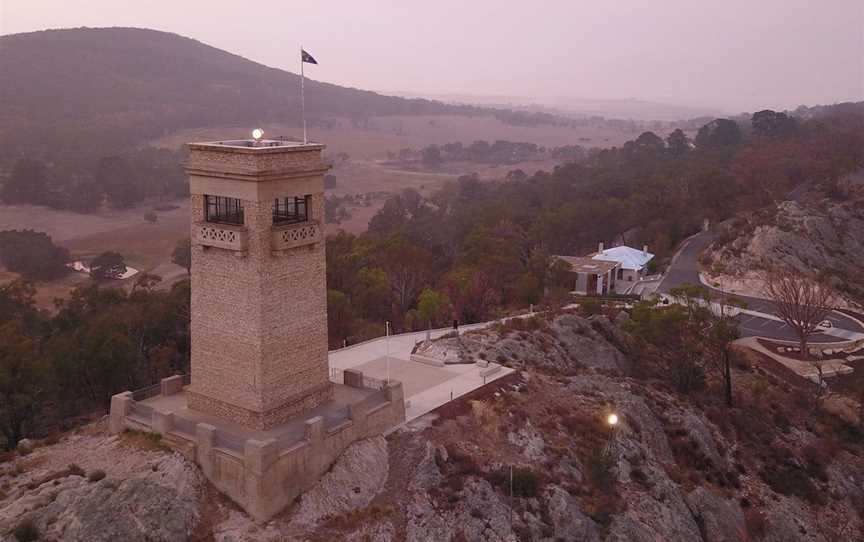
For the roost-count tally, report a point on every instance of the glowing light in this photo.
(257, 134)
(612, 419)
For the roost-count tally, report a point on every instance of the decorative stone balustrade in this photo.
(295, 235)
(224, 236)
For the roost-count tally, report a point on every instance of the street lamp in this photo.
(612, 420)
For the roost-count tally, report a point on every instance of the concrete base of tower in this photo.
(309, 400)
(264, 470)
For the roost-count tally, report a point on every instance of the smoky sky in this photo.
(734, 55)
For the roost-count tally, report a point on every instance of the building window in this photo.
(223, 210)
(291, 210)
(621, 273)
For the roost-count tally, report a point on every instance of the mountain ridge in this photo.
(119, 86)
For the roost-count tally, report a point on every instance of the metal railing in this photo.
(146, 393)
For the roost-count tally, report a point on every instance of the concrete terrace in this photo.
(426, 387)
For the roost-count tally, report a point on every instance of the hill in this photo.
(71, 89)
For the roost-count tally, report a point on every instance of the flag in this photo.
(307, 58)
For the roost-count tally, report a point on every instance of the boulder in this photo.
(25, 446)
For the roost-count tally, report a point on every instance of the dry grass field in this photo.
(372, 140)
(144, 246)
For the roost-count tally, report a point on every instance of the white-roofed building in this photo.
(633, 263)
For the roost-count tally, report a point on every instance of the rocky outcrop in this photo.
(817, 234)
(358, 475)
(567, 343)
(719, 519)
(159, 504)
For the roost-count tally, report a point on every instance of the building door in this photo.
(591, 289)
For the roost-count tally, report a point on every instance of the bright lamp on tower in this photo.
(257, 134)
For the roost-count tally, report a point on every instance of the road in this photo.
(685, 269)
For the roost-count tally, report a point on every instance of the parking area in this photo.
(754, 326)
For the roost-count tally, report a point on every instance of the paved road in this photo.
(685, 269)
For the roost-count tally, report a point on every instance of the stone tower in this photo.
(259, 295)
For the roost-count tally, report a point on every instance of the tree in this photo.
(23, 382)
(677, 143)
(721, 331)
(32, 254)
(116, 177)
(430, 305)
(432, 155)
(27, 182)
(651, 142)
(801, 302)
(768, 123)
(182, 254)
(339, 317)
(108, 265)
(718, 133)
(330, 181)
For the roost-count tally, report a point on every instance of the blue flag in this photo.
(307, 58)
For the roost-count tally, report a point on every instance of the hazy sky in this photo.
(733, 54)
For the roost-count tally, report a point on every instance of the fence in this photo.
(338, 376)
(146, 393)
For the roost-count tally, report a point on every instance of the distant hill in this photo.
(112, 87)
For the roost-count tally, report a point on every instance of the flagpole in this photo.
(302, 96)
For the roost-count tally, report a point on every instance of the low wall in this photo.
(263, 477)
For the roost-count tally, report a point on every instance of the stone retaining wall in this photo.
(265, 476)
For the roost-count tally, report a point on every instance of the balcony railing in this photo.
(221, 236)
(295, 235)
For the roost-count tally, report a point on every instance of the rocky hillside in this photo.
(527, 459)
(815, 232)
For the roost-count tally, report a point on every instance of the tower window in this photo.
(223, 210)
(291, 210)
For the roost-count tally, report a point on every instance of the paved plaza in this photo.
(426, 386)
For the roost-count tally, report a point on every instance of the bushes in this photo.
(26, 531)
(599, 465)
(525, 483)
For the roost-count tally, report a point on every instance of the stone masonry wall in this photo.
(259, 317)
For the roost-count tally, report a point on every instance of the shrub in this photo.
(590, 306)
(525, 483)
(26, 531)
(96, 475)
(599, 466)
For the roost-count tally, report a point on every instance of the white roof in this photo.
(629, 258)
